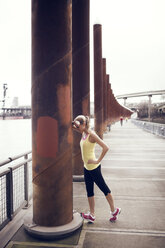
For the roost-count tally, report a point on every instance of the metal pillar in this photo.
(111, 102)
(125, 99)
(149, 108)
(104, 94)
(98, 80)
(51, 118)
(80, 67)
(108, 100)
(108, 103)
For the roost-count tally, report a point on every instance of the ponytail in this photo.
(87, 121)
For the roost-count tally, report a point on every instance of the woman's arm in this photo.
(95, 138)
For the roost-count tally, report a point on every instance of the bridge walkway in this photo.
(134, 168)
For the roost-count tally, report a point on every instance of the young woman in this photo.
(92, 167)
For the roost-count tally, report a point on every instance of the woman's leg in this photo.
(110, 201)
(90, 190)
(99, 180)
(91, 201)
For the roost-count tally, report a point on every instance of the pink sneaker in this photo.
(88, 217)
(113, 219)
(115, 214)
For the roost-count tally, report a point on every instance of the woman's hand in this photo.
(75, 126)
(92, 161)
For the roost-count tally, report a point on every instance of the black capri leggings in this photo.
(95, 176)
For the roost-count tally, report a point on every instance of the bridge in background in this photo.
(15, 112)
(139, 94)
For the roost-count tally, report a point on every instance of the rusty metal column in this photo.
(108, 99)
(112, 105)
(104, 95)
(51, 118)
(98, 80)
(80, 67)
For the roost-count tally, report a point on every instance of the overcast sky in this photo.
(15, 48)
(133, 43)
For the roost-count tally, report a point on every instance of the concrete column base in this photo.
(50, 233)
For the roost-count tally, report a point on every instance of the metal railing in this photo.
(154, 128)
(15, 186)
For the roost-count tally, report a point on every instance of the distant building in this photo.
(15, 102)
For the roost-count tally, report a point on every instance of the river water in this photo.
(15, 137)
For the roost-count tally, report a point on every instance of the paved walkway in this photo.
(134, 169)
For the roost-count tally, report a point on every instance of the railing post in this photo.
(9, 194)
(26, 176)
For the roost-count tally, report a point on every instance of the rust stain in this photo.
(47, 137)
(70, 135)
(64, 103)
(85, 106)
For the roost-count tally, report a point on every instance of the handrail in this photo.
(16, 186)
(20, 164)
(10, 159)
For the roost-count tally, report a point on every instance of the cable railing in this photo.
(15, 186)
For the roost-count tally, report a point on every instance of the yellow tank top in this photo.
(87, 152)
